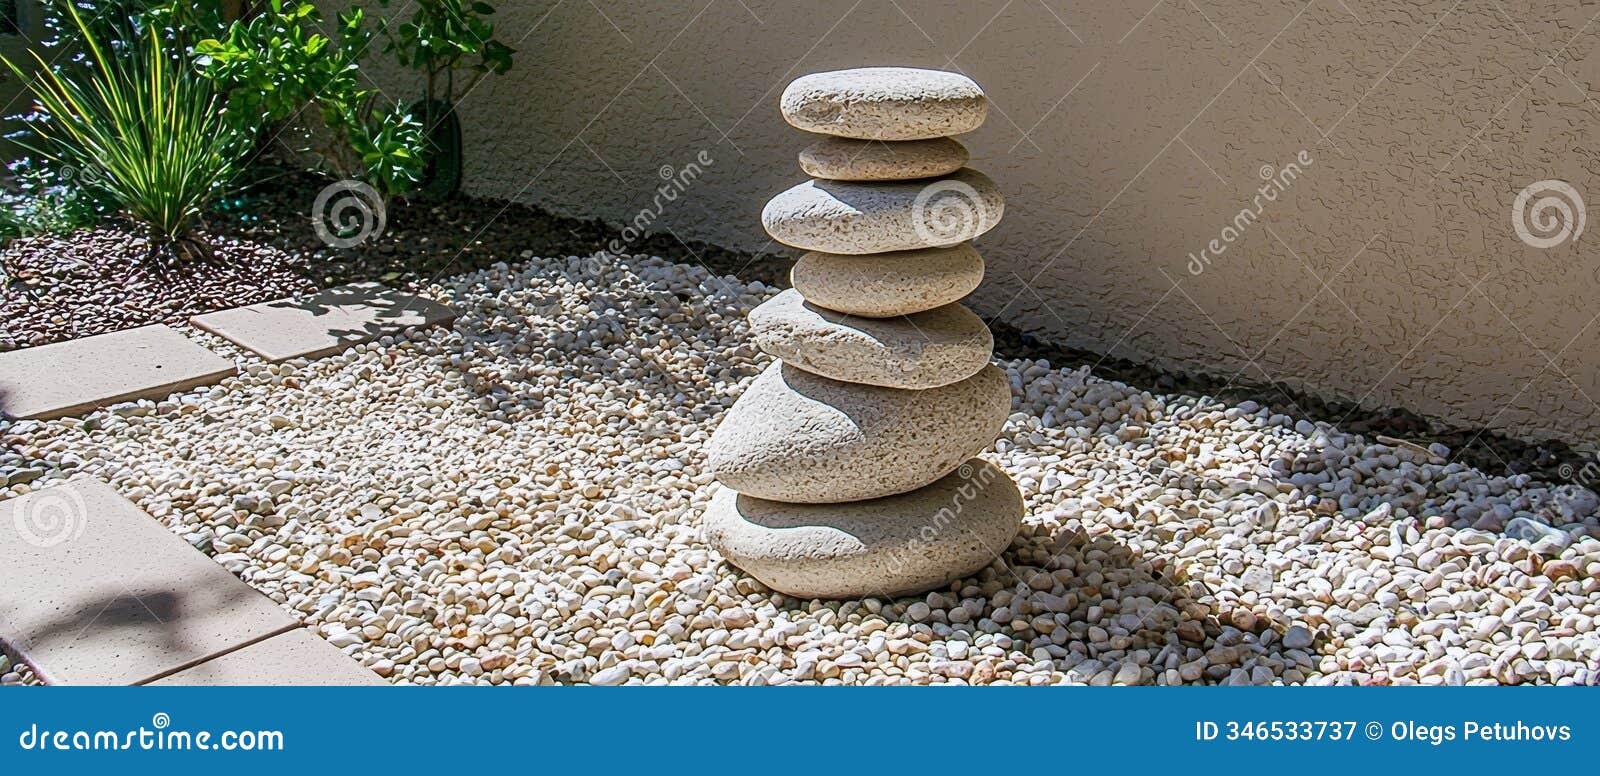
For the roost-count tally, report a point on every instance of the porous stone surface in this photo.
(856, 218)
(924, 350)
(885, 103)
(844, 159)
(800, 437)
(888, 284)
(879, 548)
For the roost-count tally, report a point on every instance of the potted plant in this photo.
(439, 38)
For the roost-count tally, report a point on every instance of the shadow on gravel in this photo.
(508, 352)
(1116, 604)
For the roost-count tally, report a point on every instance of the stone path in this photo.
(98, 592)
(295, 658)
(323, 323)
(69, 378)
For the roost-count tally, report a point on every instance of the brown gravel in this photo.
(100, 280)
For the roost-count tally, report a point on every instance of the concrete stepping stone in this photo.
(69, 378)
(297, 658)
(323, 323)
(884, 547)
(884, 103)
(98, 592)
(924, 350)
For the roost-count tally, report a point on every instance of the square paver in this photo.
(297, 658)
(98, 592)
(325, 322)
(68, 378)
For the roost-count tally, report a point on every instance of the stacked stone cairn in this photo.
(847, 467)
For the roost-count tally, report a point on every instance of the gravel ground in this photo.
(516, 500)
(96, 281)
(16, 674)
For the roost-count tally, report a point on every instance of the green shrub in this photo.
(45, 201)
(137, 126)
(279, 62)
(440, 37)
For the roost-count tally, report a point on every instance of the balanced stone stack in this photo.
(848, 467)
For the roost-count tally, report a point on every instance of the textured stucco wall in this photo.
(1127, 136)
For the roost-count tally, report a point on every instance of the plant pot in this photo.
(442, 176)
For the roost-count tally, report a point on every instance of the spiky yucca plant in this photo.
(138, 126)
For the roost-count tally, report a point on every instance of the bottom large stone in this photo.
(891, 546)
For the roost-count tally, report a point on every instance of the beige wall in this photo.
(1388, 272)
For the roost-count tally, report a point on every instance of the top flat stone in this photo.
(68, 378)
(294, 659)
(885, 103)
(99, 592)
(323, 323)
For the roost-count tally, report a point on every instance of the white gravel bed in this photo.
(16, 674)
(516, 500)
